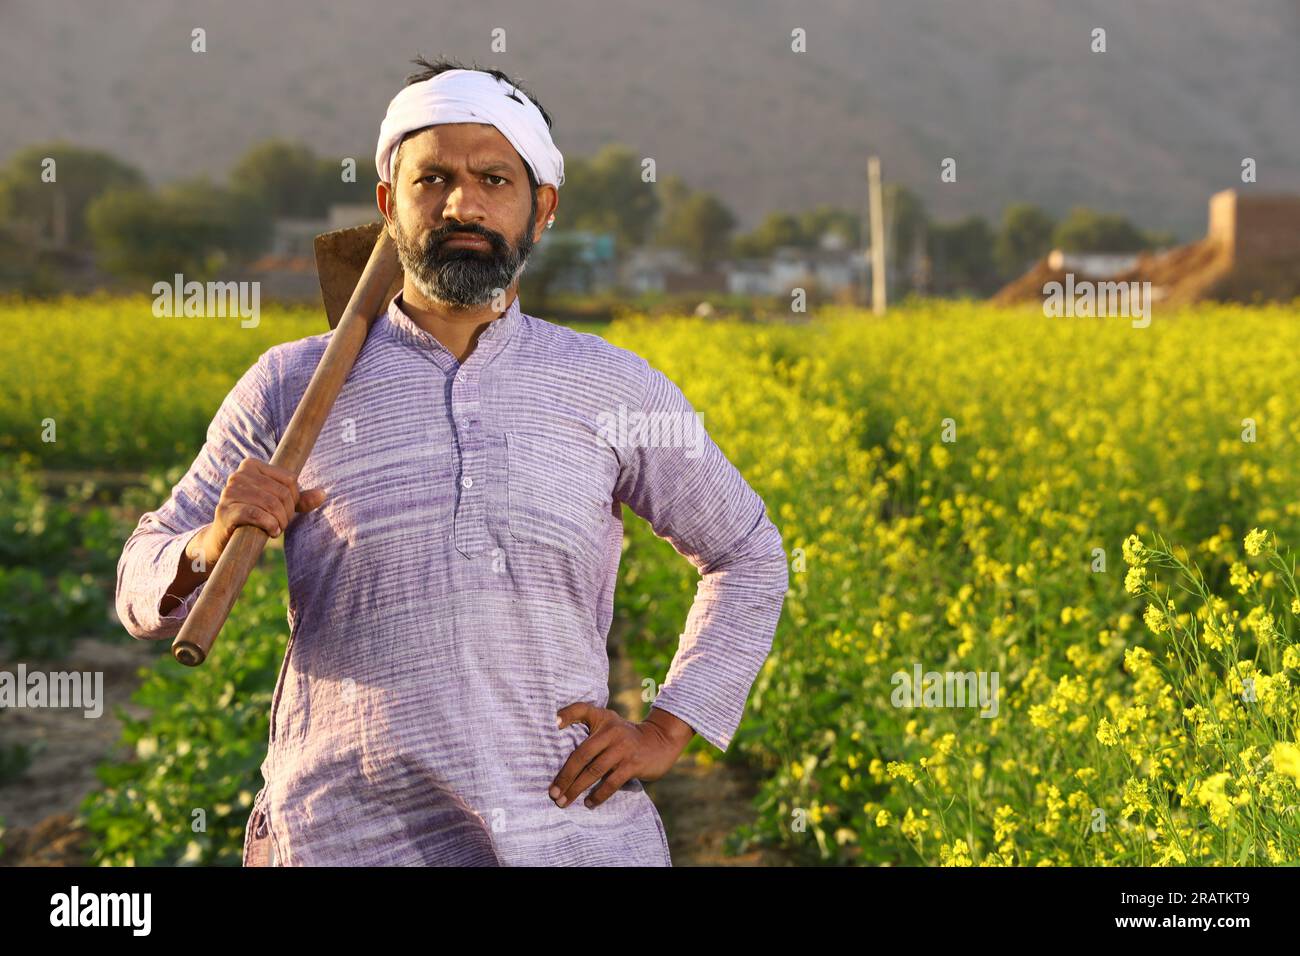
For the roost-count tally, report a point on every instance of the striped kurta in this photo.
(456, 589)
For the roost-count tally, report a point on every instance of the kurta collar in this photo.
(491, 340)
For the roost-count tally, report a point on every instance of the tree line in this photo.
(97, 205)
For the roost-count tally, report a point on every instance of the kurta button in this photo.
(467, 482)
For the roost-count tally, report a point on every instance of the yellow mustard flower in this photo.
(1258, 542)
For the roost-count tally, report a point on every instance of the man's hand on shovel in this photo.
(257, 494)
(260, 494)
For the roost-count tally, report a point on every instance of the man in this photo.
(452, 564)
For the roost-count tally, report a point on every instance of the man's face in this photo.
(458, 181)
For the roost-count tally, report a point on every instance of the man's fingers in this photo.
(607, 753)
(285, 484)
(246, 514)
(589, 775)
(577, 712)
(284, 478)
(595, 757)
(607, 762)
(311, 499)
(282, 475)
(290, 495)
(268, 500)
(286, 495)
(587, 751)
(614, 781)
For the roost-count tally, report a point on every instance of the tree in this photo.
(816, 223)
(280, 175)
(1026, 236)
(777, 229)
(1086, 230)
(606, 194)
(81, 176)
(673, 194)
(193, 227)
(333, 189)
(700, 225)
(1160, 239)
(906, 236)
(551, 258)
(290, 181)
(963, 256)
(22, 266)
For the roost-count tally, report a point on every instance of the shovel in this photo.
(359, 274)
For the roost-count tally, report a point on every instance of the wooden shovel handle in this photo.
(199, 631)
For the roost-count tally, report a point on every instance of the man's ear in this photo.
(548, 200)
(384, 200)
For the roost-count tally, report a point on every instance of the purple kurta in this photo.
(456, 589)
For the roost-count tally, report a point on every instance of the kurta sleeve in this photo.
(695, 498)
(242, 428)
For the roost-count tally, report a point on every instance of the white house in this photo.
(1099, 265)
(831, 270)
(647, 269)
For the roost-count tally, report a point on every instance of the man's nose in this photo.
(463, 204)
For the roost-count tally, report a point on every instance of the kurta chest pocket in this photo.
(560, 490)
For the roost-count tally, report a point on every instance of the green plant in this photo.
(185, 797)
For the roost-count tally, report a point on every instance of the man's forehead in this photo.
(452, 142)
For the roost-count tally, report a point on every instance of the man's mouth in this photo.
(467, 242)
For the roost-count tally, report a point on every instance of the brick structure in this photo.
(1256, 229)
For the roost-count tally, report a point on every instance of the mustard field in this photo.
(955, 485)
(1042, 607)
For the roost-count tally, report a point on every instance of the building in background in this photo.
(648, 269)
(287, 272)
(583, 262)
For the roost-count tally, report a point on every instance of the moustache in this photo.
(434, 245)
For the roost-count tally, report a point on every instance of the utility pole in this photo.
(877, 236)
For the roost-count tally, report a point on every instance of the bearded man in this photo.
(452, 563)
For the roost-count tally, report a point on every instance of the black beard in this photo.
(462, 277)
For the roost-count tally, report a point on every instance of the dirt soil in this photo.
(40, 808)
(699, 803)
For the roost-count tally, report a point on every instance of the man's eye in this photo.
(495, 176)
(429, 176)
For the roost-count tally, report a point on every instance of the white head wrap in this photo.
(471, 96)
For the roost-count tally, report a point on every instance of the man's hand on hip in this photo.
(616, 750)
